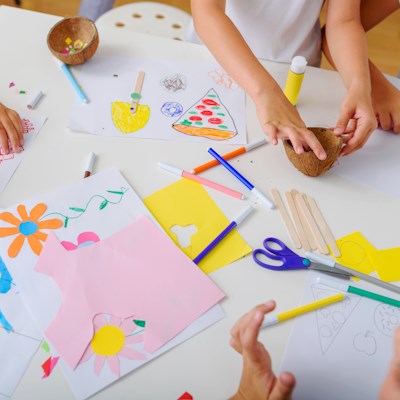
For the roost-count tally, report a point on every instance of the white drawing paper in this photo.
(341, 351)
(172, 92)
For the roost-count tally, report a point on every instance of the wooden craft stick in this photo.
(136, 92)
(303, 209)
(297, 222)
(286, 218)
(307, 230)
(323, 226)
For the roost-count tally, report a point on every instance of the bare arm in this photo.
(278, 118)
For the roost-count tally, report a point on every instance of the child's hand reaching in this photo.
(10, 130)
(258, 381)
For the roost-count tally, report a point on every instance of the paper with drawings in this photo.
(98, 206)
(179, 101)
(341, 351)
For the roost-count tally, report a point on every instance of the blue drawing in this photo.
(172, 109)
(5, 324)
(5, 278)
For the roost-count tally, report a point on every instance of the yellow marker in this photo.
(275, 319)
(295, 79)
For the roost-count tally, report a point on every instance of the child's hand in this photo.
(386, 103)
(390, 389)
(258, 381)
(357, 120)
(10, 130)
(280, 120)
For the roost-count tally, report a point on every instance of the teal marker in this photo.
(344, 287)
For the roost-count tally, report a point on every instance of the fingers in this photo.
(10, 130)
(343, 122)
(245, 331)
(272, 133)
(283, 388)
(17, 139)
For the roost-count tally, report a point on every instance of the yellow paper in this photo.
(387, 264)
(356, 253)
(186, 203)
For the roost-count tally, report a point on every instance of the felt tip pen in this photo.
(89, 165)
(345, 287)
(236, 221)
(242, 179)
(68, 74)
(270, 320)
(228, 156)
(368, 278)
(206, 182)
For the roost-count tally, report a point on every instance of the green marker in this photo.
(344, 287)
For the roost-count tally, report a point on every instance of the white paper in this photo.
(104, 203)
(341, 351)
(109, 79)
(9, 162)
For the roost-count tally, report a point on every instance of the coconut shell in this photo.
(74, 28)
(307, 162)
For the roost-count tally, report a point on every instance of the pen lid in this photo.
(298, 65)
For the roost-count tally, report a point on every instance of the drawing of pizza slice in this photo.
(207, 118)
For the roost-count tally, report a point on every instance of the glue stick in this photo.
(295, 78)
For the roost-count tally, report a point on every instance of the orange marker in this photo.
(230, 155)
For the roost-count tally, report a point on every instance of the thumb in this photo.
(342, 122)
(284, 386)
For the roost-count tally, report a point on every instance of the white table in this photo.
(205, 366)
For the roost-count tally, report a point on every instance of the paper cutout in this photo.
(184, 234)
(48, 366)
(125, 121)
(187, 203)
(174, 83)
(5, 278)
(111, 340)
(208, 118)
(12, 84)
(4, 324)
(387, 263)
(27, 227)
(84, 239)
(114, 263)
(186, 396)
(45, 346)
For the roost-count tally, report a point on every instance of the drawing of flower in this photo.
(110, 341)
(84, 239)
(28, 227)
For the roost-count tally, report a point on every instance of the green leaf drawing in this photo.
(66, 222)
(77, 209)
(103, 204)
(114, 192)
(140, 323)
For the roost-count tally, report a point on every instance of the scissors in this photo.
(290, 260)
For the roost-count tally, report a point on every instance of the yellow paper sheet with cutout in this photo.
(355, 250)
(187, 203)
(387, 264)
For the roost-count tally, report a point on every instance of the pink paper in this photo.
(136, 272)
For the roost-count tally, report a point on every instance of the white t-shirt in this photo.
(276, 30)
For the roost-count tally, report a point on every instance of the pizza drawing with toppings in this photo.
(207, 118)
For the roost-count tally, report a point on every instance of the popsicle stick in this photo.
(303, 209)
(307, 230)
(286, 218)
(297, 222)
(137, 92)
(323, 226)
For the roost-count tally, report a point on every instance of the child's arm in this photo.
(346, 40)
(277, 116)
(10, 130)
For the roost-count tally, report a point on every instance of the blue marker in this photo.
(223, 234)
(67, 72)
(242, 179)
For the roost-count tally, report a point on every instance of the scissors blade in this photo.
(329, 270)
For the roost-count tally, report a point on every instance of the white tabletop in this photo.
(205, 365)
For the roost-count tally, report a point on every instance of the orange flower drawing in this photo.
(28, 227)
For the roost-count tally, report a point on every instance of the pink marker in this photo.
(206, 182)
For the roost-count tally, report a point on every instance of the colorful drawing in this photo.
(4, 156)
(207, 118)
(28, 227)
(386, 318)
(111, 339)
(5, 324)
(103, 204)
(174, 83)
(5, 278)
(27, 125)
(127, 122)
(172, 109)
(84, 239)
(221, 78)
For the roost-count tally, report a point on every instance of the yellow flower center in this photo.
(108, 340)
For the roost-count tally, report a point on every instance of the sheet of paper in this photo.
(341, 351)
(9, 162)
(97, 207)
(186, 206)
(179, 101)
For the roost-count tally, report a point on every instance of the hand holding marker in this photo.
(242, 179)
